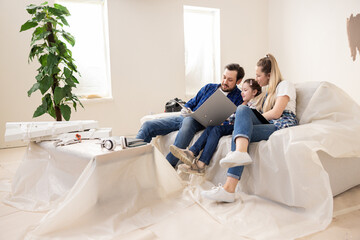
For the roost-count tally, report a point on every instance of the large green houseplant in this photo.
(55, 78)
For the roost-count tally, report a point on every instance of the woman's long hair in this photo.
(267, 98)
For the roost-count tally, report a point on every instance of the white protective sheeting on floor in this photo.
(136, 194)
(46, 174)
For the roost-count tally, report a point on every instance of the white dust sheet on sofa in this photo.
(136, 194)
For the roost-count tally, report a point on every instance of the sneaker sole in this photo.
(177, 153)
(189, 171)
(196, 173)
(217, 200)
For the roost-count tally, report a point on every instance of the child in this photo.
(209, 139)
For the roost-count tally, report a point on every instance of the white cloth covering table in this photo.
(94, 192)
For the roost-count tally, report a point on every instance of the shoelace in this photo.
(195, 166)
(217, 187)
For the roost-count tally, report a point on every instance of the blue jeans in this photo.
(161, 126)
(187, 128)
(248, 125)
(209, 140)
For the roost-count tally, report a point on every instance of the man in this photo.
(187, 126)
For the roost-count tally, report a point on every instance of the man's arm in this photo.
(192, 103)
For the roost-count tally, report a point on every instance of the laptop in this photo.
(215, 110)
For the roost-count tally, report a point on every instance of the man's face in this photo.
(228, 82)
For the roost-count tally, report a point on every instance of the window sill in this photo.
(96, 100)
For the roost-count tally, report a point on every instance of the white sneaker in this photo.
(219, 194)
(234, 159)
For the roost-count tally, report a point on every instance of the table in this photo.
(47, 173)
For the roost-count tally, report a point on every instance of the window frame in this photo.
(96, 97)
(216, 44)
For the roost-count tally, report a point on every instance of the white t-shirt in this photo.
(225, 93)
(286, 88)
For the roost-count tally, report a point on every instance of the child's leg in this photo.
(200, 143)
(213, 140)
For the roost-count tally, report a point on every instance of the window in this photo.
(88, 24)
(202, 47)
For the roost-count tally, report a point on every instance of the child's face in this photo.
(247, 92)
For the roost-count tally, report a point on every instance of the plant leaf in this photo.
(36, 49)
(47, 71)
(55, 70)
(67, 91)
(52, 60)
(43, 59)
(72, 66)
(70, 82)
(39, 30)
(67, 72)
(58, 95)
(62, 8)
(74, 97)
(43, 108)
(29, 24)
(70, 39)
(69, 77)
(55, 11)
(39, 77)
(50, 105)
(40, 16)
(31, 8)
(51, 111)
(74, 105)
(51, 49)
(74, 79)
(65, 111)
(62, 48)
(45, 84)
(40, 110)
(64, 21)
(33, 89)
(40, 36)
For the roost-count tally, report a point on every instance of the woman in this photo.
(277, 104)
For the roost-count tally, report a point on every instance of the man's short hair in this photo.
(236, 67)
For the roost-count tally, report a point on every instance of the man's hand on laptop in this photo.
(185, 112)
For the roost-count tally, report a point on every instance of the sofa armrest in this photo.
(158, 116)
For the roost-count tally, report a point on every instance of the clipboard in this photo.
(260, 116)
(214, 111)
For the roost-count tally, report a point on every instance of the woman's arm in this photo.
(278, 109)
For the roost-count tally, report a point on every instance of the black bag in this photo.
(173, 106)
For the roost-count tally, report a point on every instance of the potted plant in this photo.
(55, 78)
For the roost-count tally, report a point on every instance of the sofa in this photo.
(326, 138)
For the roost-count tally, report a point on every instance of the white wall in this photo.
(243, 26)
(146, 54)
(309, 38)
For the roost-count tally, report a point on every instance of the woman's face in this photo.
(247, 92)
(261, 77)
